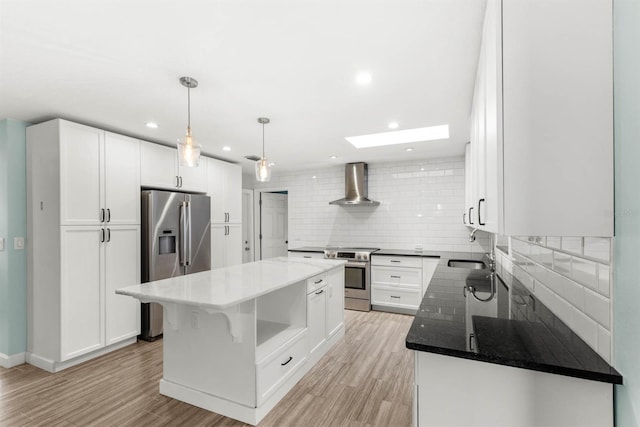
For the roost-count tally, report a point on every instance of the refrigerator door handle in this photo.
(188, 246)
(183, 233)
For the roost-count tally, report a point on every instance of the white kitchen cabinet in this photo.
(317, 318)
(542, 119)
(98, 172)
(398, 283)
(159, 168)
(224, 186)
(80, 248)
(80, 295)
(226, 245)
(121, 266)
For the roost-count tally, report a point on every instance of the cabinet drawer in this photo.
(397, 261)
(280, 365)
(410, 277)
(312, 255)
(405, 298)
(316, 282)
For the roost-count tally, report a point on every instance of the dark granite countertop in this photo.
(308, 249)
(405, 252)
(502, 324)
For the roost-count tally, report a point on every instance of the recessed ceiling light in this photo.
(363, 78)
(408, 149)
(151, 125)
(313, 177)
(333, 157)
(226, 148)
(393, 125)
(400, 136)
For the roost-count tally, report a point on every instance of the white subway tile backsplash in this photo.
(585, 327)
(421, 203)
(604, 344)
(597, 307)
(604, 279)
(585, 272)
(572, 244)
(572, 277)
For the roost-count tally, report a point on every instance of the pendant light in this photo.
(188, 150)
(263, 168)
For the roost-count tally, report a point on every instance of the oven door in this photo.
(356, 280)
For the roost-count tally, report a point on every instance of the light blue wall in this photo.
(13, 223)
(627, 229)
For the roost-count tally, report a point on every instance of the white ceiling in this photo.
(115, 64)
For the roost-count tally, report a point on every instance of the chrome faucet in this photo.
(472, 235)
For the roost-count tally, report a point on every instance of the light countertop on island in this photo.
(226, 287)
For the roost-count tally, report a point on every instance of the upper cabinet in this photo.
(541, 152)
(98, 172)
(159, 169)
(225, 188)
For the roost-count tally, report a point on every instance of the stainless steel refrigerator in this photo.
(176, 240)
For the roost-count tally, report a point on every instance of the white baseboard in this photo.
(9, 361)
(53, 366)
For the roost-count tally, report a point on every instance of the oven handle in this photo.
(356, 264)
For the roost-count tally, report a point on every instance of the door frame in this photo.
(257, 223)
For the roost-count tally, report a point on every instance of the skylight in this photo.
(400, 137)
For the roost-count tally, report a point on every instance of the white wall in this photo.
(421, 203)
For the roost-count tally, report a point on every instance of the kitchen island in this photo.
(487, 352)
(237, 339)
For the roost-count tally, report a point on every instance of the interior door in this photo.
(274, 225)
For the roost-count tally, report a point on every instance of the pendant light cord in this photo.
(189, 109)
(263, 141)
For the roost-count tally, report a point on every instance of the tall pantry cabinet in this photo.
(84, 241)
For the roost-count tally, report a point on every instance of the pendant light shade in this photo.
(263, 168)
(188, 149)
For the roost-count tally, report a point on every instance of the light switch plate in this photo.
(1, 244)
(18, 243)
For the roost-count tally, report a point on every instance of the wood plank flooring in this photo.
(365, 380)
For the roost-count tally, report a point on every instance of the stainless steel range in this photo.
(357, 275)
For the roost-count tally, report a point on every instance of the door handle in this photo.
(479, 211)
(394, 296)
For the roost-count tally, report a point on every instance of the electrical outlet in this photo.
(1, 244)
(18, 243)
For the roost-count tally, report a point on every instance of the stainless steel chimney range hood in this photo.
(355, 186)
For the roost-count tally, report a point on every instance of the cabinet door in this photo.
(316, 318)
(216, 190)
(194, 179)
(218, 246)
(233, 247)
(121, 268)
(158, 166)
(233, 188)
(81, 163)
(80, 291)
(122, 179)
(335, 301)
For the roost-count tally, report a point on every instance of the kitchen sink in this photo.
(466, 263)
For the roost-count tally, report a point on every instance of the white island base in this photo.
(240, 359)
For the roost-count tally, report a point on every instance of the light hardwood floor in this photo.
(365, 380)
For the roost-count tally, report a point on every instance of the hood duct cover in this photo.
(355, 186)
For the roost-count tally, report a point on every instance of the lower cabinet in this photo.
(317, 318)
(325, 310)
(78, 313)
(226, 245)
(335, 302)
(398, 283)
